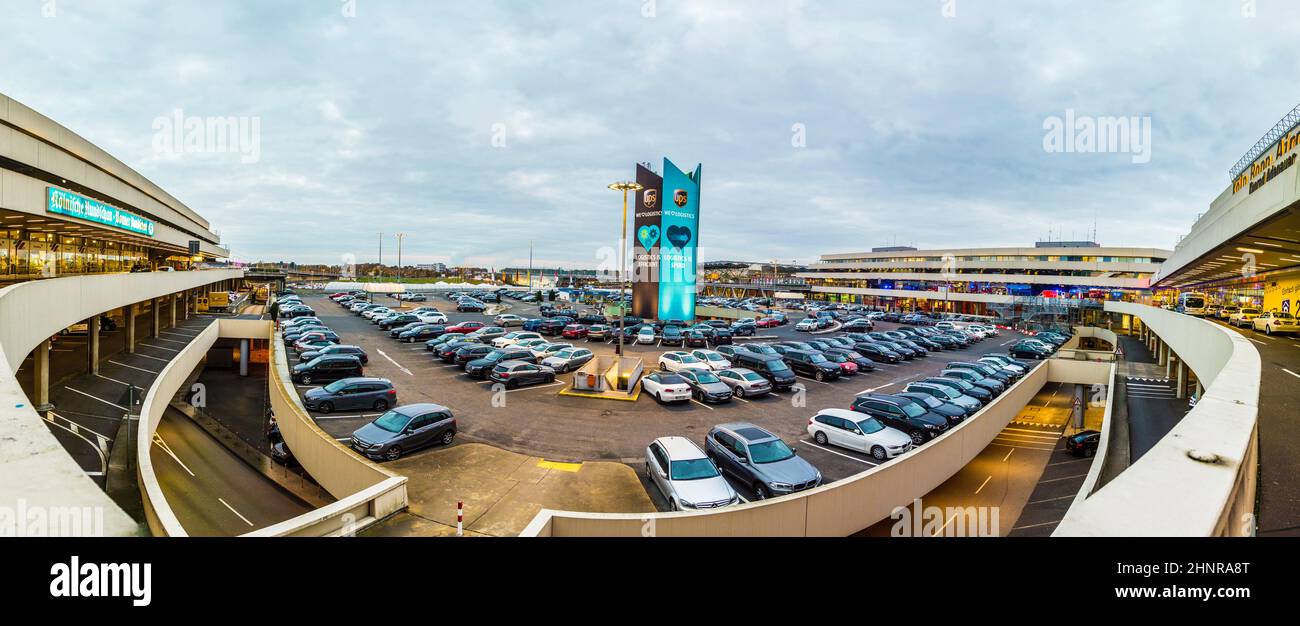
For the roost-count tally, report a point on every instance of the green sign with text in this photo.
(72, 205)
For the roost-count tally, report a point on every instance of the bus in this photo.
(1193, 303)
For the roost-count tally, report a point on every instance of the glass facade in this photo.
(32, 254)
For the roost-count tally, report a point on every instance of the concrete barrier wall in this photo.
(342, 472)
(1103, 446)
(835, 510)
(1167, 492)
(34, 467)
(162, 521)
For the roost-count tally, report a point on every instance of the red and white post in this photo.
(460, 518)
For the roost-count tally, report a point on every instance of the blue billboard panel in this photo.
(678, 240)
(72, 205)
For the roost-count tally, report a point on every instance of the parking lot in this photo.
(537, 421)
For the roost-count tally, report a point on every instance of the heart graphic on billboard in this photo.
(648, 236)
(679, 236)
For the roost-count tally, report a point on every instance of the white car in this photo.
(532, 343)
(646, 335)
(568, 359)
(678, 361)
(510, 339)
(1271, 322)
(370, 315)
(686, 476)
(666, 387)
(714, 360)
(858, 431)
(807, 324)
(1244, 317)
(544, 350)
(432, 318)
(508, 319)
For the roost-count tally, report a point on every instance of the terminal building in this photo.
(994, 282)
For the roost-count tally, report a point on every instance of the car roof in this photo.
(747, 431)
(680, 448)
(852, 416)
(366, 379)
(412, 410)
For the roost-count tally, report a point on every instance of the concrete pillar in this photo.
(1200, 390)
(41, 376)
(92, 346)
(1169, 366)
(128, 316)
(157, 316)
(243, 357)
(171, 306)
(1182, 380)
(1164, 353)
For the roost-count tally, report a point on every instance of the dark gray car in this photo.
(351, 394)
(760, 460)
(404, 429)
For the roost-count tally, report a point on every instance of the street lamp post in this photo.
(624, 187)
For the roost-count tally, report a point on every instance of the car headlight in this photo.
(685, 503)
(779, 485)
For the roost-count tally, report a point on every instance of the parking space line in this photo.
(809, 443)
(534, 387)
(1007, 445)
(149, 345)
(399, 365)
(701, 404)
(114, 380)
(153, 357)
(97, 399)
(232, 510)
(183, 343)
(346, 417)
(1291, 372)
(986, 480)
(131, 366)
(814, 380)
(1052, 480)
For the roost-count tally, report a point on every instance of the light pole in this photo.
(400, 237)
(624, 187)
(380, 269)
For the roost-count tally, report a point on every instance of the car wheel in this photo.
(820, 438)
(918, 437)
(760, 491)
(820, 376)
(393, 453)
(1088, 452)
(550, 378)
(306, 380)
(447, 437)
(512, 384)
(326, 407)
(381, 405)
(1268, 330)
(672, 505)
(878, 453)
(737, 391)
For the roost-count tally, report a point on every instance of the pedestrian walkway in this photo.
(1149, 397)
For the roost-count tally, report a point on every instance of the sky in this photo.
(478, 127)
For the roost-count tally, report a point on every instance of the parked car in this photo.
(951, 412)
(510, 339)
(812, 364)
(745, 383)
(806, 325)
(706, 386)
(679, 361)
(1083, 443)
(759, 459)
(575, 331)
(470, 352)
(335, 348)
(327, 369)
(858, 431)
(600, 332)
(404, 429)
(975, 378)
(466, 327)
(479, 368)
(903, 414)
(508, 319)
(962, 386)
(714, 360)
(969, 405)
(671, 336)
(666, 387)
(769, 366)
(686, 476)
(515, 374)
(569, 359)
(351, 394)
(646, 335)
(1276, 322)
(1244, 317)
(1026, 350)
(421, 332)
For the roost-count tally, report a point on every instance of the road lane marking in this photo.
(986, 480)
(399, 365)
(114, 380)
(152, 357)
(1052, 499)
(97, 399)
(1291, 372)
(1257, 341)
(701, 404)
(158, 441)
(1052, 480)
(1004, 459)
(183, 343)
(875, 389)
(1068, 462)
(149, 345)
(534, 387)
(851, 458)
(132, 366)
(232, 510)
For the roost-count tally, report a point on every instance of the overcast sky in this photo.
(477, 126)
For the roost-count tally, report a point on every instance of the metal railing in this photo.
(1279, 130)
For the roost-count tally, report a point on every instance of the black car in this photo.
(951, 412)
(447, 351)
(695, 338)
(393, 321)
(1083, 444)
(1029, 351)
(479, 368)
(422, 332)
(903, 414)
(769, 366)
(877, 352)
(335, 349)
(858, 325)
(744, 330)
(721, 337)
(551, 327)
(979, 393)
(985, 369)
(592, 319)
(297, 333)
(812, 364)
(326, 369)
(465, 354)
(672, 336)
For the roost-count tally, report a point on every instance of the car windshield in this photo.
(777, 366)
(714, 357)
(870, 425)
(564, 354)
(1283, 316)
(816, 358)
(912, 409)
(928, 401)
(706, 377)
(1250, 311)
(392, 421)
(770, 451)
(687, 358)
(336, 386)
(694, 469)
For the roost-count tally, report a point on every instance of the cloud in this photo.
(478, 127)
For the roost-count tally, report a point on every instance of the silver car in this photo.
(744, 382)
(686, 476)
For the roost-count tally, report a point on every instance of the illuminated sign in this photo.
(72, 205)
(679, 237)
(1268, 166)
